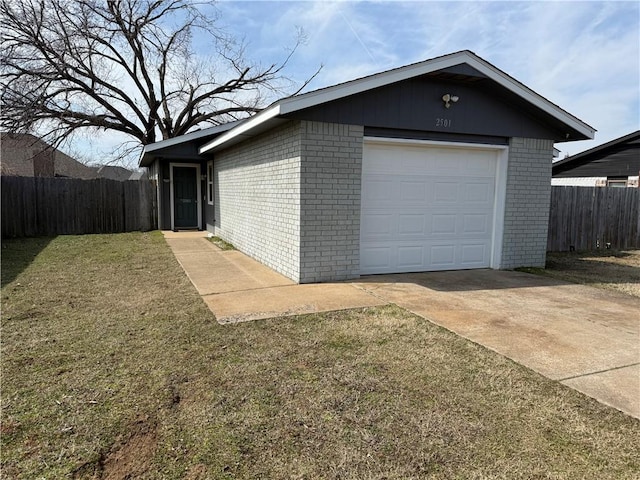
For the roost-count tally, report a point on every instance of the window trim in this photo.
(210, 182)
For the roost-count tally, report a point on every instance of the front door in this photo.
(185, 197)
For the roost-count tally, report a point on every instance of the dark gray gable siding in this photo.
(618, 160)
(484, 108)
(183, 152)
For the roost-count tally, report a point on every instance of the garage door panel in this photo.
(478, 163)
(378, 189)
(410, 257)
(377, 224)
(421, 225)
(426, 208)
(442, 256)
(404, 258)
(474, 254)
(414, 190)
(431, 160)
(483, 192)
(411, 224)
(476, 223)
(445, 192)
(442, 223)
(376, 259)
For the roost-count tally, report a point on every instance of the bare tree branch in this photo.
(125, 65)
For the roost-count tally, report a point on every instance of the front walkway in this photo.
(583, 337)
(237, 288)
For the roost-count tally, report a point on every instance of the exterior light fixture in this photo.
(448, 99)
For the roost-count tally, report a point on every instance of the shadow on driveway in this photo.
(465, 280)
(603, 267)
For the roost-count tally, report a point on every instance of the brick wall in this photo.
(330, 201)
(526, 217)
(257, 198)
(290, 198)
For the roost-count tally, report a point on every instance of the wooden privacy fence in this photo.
(588, 218)
(35, 206)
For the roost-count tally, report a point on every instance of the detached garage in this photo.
(440, 165)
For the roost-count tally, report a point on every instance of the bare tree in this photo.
(125, 65)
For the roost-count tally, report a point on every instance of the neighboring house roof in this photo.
(617, 158)
(112, 172)
(184, 146)
(17, 154)
(65, 166)
(137, 175)
(26, 155)
(572, 127)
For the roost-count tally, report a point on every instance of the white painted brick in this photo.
(257, 201)
(527, 203)
(330, 202)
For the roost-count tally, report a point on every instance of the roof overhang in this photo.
(271, 116)
(154, 150)
(629, 141)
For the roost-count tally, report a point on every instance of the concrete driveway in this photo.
(586, 338)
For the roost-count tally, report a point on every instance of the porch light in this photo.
(448, 99)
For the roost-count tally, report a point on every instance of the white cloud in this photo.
(585, 59)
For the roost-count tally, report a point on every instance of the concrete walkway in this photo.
(586, 338)
(237, 288)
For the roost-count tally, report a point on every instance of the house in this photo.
(439, 165)
(138, 175)
(612, 164)
(112, 172)
(25, 155)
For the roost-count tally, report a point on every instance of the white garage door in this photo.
(426, 208)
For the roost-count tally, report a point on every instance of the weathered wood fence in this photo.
(588, 218)
(35, 206)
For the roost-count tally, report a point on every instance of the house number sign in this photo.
(443, 122)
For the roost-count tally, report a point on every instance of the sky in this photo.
(582, 56)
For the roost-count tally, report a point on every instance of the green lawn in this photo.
(112, 366)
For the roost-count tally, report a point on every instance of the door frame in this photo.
(198, 194)
(500, 191)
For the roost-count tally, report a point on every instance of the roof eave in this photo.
(245, 128)
(147, 157)
(534, 98)
(292, 104)
(579, 156)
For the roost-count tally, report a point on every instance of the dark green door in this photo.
(185, 197)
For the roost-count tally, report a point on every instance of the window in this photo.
(210, 182)
(616, 182)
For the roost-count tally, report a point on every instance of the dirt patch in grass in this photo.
(610, 269)
(113, 367)
(129, 457)
(132, 458)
